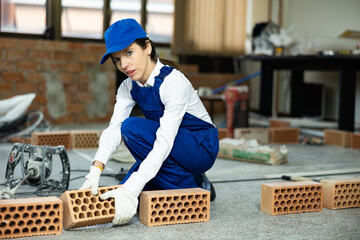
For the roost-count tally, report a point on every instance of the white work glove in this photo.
(125, 204)
(92, 180)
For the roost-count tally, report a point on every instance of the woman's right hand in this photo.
(92, 180)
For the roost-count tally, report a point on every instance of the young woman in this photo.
(176, 142)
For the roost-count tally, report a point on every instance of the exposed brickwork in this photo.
(273, 123)
(223, 133)
(51, 138)
(337, 137)
(165, 207)
(341, 193)
(85, 139)
(355, 141)
(22, 61)
(81, 208)
(30, 217)
(291, 197)
(284, 135)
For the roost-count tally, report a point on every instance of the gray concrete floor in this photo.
(235, 214)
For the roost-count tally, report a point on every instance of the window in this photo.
(23, 16)
(160, 20)
(125, 9)
(82, 18)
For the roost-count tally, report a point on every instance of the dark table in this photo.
(346, 65)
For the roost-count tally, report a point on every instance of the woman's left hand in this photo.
(125, 204)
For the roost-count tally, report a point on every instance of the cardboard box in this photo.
(242, 150)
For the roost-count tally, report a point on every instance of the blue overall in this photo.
(195, 147)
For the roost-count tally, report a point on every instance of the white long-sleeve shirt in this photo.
(178, 96)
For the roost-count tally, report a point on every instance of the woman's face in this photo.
(135, 62)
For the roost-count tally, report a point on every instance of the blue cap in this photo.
(120, 35)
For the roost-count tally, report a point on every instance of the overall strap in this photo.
(164, 71)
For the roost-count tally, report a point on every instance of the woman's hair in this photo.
(153, 55)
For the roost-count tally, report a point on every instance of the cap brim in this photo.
(115, 48)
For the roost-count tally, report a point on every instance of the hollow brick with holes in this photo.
(176, 206)
(338, 138)
(85, 139)
(291, 197)
(30, 217)
(341, 193)
(81, 208)
(355, 141)
(55, 138)
(284, 135)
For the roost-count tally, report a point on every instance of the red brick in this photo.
(163, 207)
(291, 197)
(337, 137)
(40, 55)
(284, 135)
(66, 77)
(28, 66)
(86, 57)
(13, 77)
(52, 138)
(95, 48)
(85, 78)
(355, 141)
(273, 123)
(31, 217)
(82, 118)
(26, 87)
(37, 77)
(85, 139)
(51, 66)
(40, 99)
(54, 45)
(74, 46)
(29, 44)
(83, 97)
(76, 108)
(15, 54)
(74, 67)
(6, 87)
(63, 120)
(6, 65)
(7, 42)
(63, 56)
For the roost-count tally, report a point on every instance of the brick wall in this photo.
(64, 75)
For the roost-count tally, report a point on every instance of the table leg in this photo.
(347, 85)
(297, 93)
(266, 89)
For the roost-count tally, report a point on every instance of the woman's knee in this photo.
(129, 126)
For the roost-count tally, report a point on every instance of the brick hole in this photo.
(25, 230)
(310, 195)
(25, 215)
(157, 206)
(81, 215)
(34, 215)
(186, 204)
(339, 192)
(99, 206)
(292, 208)
(56, 220)
(292, 196)
(309, 207)
(97, 213)
(355, 202)
(352, 197)
(350, 191)
(52, 228)
(307, 189)
(42, 214)
(157, 220)
(358, 197)
(78, 202)
(165, 205)
(307, 201)
(151, 220)
(21, 209)
(318, 189)
(172, 205)
(176, 198)
(168, 199)
(38, 207)
(337, 186)
(153, 199)
(168, 212)
(76, 209)
(161, 199)
(318, 200)
(190, 197)
(30, 208)
(313, 188)
(193, 203)
(316, 194)
(89, 214)
(112, 211)
(347, 185)
(282, 203)
(86, 201)
(350, 203)
(104, 212)
(297, 208)
(201, 203)
(282, 191)
(12, 224)
(186, 217)
(84, 208)
(303, 195)
(316, 206)
(298, 195)
(286, 209)
(7, 232)
(72, 196)
(88, 194)
(102, 191)
(34, 230)
(153, 213)
(165, 219)
(38, 221)
(336, 198)
(295, 190)
(286, 196)
(7, 216)
(288, 203)
(342, 186)
(303, 208)
(176, 211)
(312, 201)
(204, 209)
(80, 194)
(179, 218)
(347, 197)
(47, 221)
(277, 191)
(301, 189)
(301, 202)
(344, 204)
(295, 202)
(21, 223)
(183, 198)
(197, 210)
(172, 219)
(52, 213)
(183, 211)
(112, 203)
(161, 213)
(106, 204)
(342, 198)
(280, 210)
(16, 216)
(193, 217)
(345, 192)
(93, 199)
(280, 197)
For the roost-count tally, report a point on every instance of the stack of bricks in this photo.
(31, 217)
(291, 197)
(69, 139)
(174, 206)
(337, 138)
(284, 135)
(81, 208)
(341, 193)
(32, 65)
